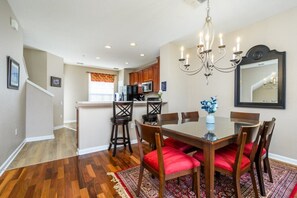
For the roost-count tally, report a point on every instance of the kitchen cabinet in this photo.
(151, 73)
(133, 78)
(147, 74)
(156, 77)
(140, 80)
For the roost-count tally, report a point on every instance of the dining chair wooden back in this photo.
(172, 118)
(263, 154)
(266, 144)
(232, 161)
(165, 162)
(189, 116)
(245, 115)
(153, 108)
(167, 118)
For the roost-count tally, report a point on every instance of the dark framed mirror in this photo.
(260, 79)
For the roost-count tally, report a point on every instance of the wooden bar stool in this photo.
(153, 108)
(122, 115)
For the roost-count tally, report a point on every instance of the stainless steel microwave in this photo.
(147, 86)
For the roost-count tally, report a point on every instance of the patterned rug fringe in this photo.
(118, 186)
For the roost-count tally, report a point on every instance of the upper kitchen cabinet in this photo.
(151, 73)
(134, 78)
(147, 74)
(140, 81)
(156, 77)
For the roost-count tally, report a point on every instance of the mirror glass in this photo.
(259, 82)
(260, 79)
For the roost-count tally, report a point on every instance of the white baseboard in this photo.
(40, 138)
(91, 150)
(283, 159)
(97, 148)
(69, 121)
(70, 128)
(58, 127)
(5, 165)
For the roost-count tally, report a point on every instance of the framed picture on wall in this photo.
(13, 74)
(55, 81)
(163, 86)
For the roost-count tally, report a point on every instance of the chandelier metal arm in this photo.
(190, 72)
(234, 64)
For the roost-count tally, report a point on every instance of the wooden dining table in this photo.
(208, 137)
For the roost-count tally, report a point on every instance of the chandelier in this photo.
(271, 82)
(205, 53)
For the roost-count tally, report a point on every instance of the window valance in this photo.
(100, 77)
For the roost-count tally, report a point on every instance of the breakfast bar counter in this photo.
(94, 125)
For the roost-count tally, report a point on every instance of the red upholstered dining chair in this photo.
(190, 116)
(166, 163)
(233, 162)
(172, 118)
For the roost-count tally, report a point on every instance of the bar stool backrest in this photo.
(122, 110)
(153, 108)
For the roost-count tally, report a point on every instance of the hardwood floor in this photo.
(64, 145)
(79, 176)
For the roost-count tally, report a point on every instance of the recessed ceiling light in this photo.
(97, 57)
(141, 54)
(107, 46)
(133, 44)
(126, 63)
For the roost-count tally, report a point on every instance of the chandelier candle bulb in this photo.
(212, 58)
(233, 56)
(238, 44)
(187, 59)
(221, 39)
(182, 52)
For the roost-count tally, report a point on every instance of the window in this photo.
(101, 87)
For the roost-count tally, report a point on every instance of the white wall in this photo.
(76, 87)
(12, 102)
(36, 65)
(55, 67)
(185, 92)
(176, 81)
(39, 112)
(41, 66)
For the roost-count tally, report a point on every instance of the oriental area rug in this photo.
(284, 181)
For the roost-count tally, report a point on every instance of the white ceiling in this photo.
(78, 30)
